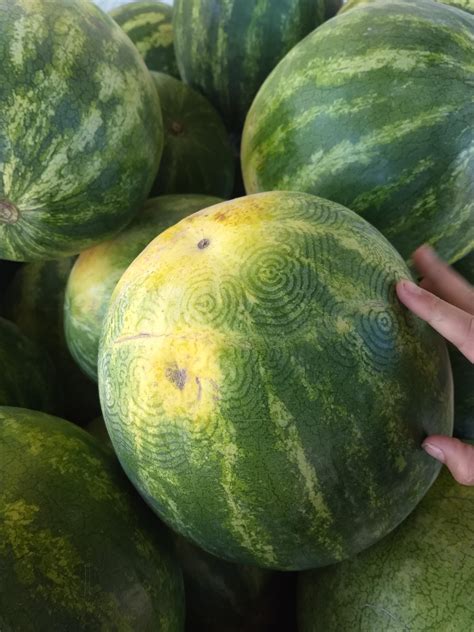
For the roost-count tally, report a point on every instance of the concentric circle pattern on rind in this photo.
(197, 154)
(267, 394)
(419, 578)
(78, 549)
(149, 26)
(226, 48)
(80, 127)
(374, 110)
(98, 269)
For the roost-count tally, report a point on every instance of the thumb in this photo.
(456, 455)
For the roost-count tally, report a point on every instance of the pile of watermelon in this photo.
(212, 403)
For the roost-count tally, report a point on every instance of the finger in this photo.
(442, 280)
(456, 455)
(451, 322)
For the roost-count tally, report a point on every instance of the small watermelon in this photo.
(80, 128)
(374, 110)
(263, 387)
(78, 548)
(35, 302)
(197, 155)
(419, 578)
(97, 271)
(149, 25)
(27, 375)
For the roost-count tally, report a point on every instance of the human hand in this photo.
(446, 301)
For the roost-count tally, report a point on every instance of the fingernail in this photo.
(411, 288)
(434, 451)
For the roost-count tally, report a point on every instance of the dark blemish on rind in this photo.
(177, 377)
(204, 243)
(198, 382)
(176, 128)
(9, 214)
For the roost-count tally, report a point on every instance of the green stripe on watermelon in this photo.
(150, 27)
(263, 387)
(97, 271)
(226, 48)
(80, 128)
(35, 302)
(27, 376)
(463, 371)
(419, 578)
(197, 155)
(78, 549)
(465, 5)
(374, 110)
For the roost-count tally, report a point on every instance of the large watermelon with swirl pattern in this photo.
(264, 389)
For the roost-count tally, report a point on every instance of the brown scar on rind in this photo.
(177, 377)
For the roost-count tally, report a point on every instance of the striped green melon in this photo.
(419, 578)
(35, 302)
(80, 128)
(374, 110)
(97, 271)
(27, 375)
(197, 155)
(466, 5)
(78, 548)
(463, 372)
(226, 48)
(225, 596)
(263, 387)
(149, 24)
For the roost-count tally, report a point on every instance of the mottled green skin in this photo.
(150, 27)
(35, 302)
(221, 596)
(419, 578)
(80, 128)
(197, 155)
(466, 5)
(463, 371)
(78, 549)
(226, 48)
(374, 110)
(97, 271)
(27, 375)
(265, 390)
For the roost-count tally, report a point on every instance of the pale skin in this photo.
(446, 301)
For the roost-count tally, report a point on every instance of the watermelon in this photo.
(374, 110)
(108, 5)
(27, 375)
(225, 596)
(418, 578)
(264, 389)
(80, 128)
(226, 48)
(78, 549)
(463, 371)
(35, 301)
(149, 25)
(466, 5)
(97, 271)
(197, 156)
